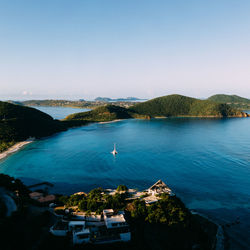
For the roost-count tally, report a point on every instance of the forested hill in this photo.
(178, 105)
(232, 100)
(104, 113)
(19, 122)
(172, 105)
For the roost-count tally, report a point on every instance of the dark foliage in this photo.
(17, 123)
(178, 105)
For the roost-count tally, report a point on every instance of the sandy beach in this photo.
(15, 148)
(117, 120)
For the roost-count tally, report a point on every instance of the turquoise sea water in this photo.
(205, 161)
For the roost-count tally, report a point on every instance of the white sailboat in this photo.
(114, 152)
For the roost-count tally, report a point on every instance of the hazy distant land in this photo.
(232, 100)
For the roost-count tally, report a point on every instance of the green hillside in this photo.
(19, 122)
(104, 113)
(172, 105)
(232, 100)
(178, 105)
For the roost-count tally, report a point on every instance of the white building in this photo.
(116, 223)
(61, 228)
(111, 228)
(159, 188)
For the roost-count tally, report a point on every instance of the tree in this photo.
(139, 209)
(122, 188)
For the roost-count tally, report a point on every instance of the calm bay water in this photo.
(59, 112)
(205, 161)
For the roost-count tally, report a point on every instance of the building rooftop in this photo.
(115, 221)
(108, 211)
(160, 187)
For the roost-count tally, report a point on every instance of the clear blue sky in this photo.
(117, 48)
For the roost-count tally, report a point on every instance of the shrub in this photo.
(122, 188)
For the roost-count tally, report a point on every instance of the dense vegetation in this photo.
(232, 100)
(17, 123)
(104, 113)
(172, 105)
(122, 188)
(166, 224)
(177, 105)
(95, 201)
(168, 210)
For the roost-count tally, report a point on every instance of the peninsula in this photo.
(123, 218)
(18, 123)
(166, 106)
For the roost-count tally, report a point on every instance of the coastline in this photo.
(117, 120)
(15, 148)
(220, 237)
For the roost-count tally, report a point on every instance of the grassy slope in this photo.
(172, 105)
(18, 123)
(104, 113)
(177, 105)
(233, 100)
(228, 98)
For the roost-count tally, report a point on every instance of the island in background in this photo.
(81, 103)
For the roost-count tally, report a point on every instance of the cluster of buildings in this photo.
(108, 227)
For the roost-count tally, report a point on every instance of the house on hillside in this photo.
(159, 188)
(109, 228)
(116, 224)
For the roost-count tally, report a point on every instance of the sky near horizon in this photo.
(117, 48)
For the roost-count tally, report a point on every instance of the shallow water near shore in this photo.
(205, 161)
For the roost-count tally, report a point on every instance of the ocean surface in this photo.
(59, 112)
(205, 161)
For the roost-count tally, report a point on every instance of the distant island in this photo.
(128, 99)
(81, 103)
(60, 103)
(18, 122)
